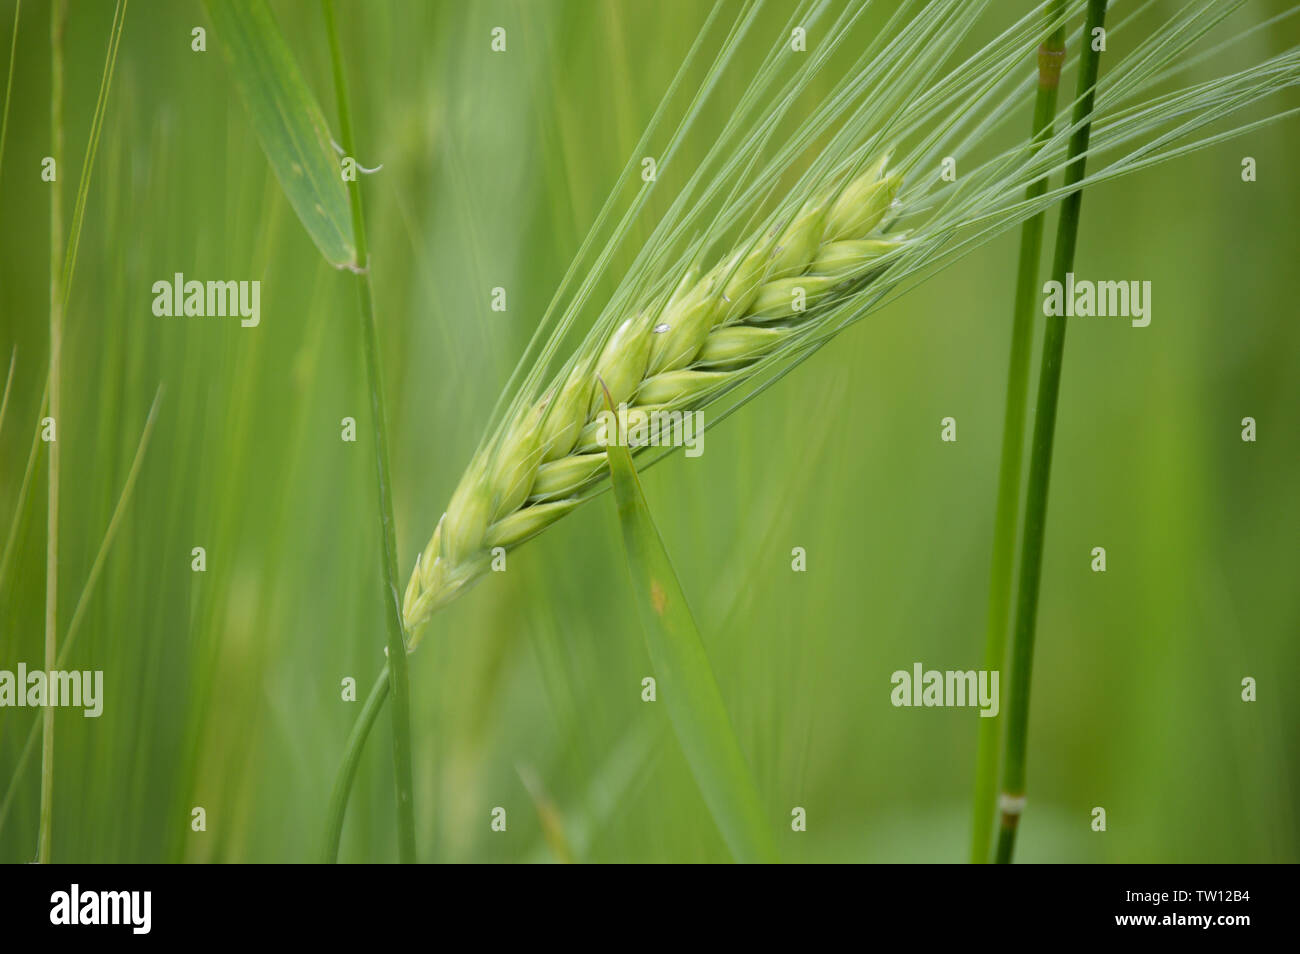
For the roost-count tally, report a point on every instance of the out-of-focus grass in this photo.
(223, 688)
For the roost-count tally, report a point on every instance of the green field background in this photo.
(223, 688)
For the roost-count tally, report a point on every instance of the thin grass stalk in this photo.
(92, 147)
(20, 509)
(397, 668)
(9, 82)
(69, 259)
(1040, 460)
(356, 744)
(58, 19)
(1051, 55)
(9, 380)
(83, 601)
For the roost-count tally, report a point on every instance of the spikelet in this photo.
(711, 331)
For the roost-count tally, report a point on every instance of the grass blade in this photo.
(288, 123)
(9, 82)
(24, 488)
(87, 591)
(685, 678)
(58, 20)
(92, 147)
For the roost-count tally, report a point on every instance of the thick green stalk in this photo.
(338, 806)
(58, 17)
(399, 683)
(1040, 455)
(1050, 57)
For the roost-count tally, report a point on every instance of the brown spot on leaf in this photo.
(658, 599)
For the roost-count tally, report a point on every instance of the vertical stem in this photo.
(58, 17)
(399, 684)
(1050, 57)
(1040, 459)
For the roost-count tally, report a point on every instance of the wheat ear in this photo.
(711, 331)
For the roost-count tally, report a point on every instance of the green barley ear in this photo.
(708, 337)
(622, 363)
(689, 279)
(799, 241)
(425, 580)
(852, 258)
(516, 464)
(676, 387)
(590, 441)
(563, 477)
(737, 343)
(789, 296)
(676, 336)
(740, 321)
(563, 421)
(466, 520)
(746, 278)
(863, 204)
(527, 523)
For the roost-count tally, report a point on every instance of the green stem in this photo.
(348, 769)
(1040, 455)
(58, 17)
(1050, 57)
(399, 683)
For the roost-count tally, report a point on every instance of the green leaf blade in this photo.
(288, 123)
(685, 678)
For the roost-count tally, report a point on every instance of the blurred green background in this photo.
(223, 687)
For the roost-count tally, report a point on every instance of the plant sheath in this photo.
(1040, 454)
